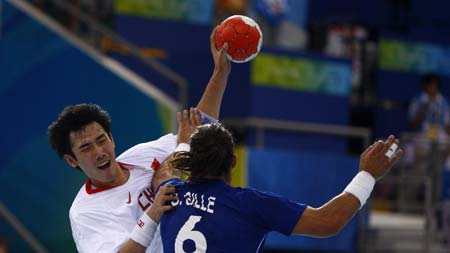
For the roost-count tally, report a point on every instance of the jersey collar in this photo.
(91, 190)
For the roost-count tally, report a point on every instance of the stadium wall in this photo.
(306, 177)
(40, 74)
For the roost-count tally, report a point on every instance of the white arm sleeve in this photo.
(143, 154)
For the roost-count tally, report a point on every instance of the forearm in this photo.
(143, 233)
(212, 97)
(132, 247)
(330, 218)
(339, 211)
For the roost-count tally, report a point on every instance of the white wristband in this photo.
(183, 147)
(144, 230)
(361, 186)
(206, 119)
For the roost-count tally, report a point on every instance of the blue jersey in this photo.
(211, 216)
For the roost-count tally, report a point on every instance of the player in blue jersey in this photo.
(212, 216)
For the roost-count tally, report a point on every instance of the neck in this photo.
(120, 178)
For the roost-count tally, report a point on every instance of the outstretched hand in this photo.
(221, 63)
(188, 121)
(165, 195)
(375, 159)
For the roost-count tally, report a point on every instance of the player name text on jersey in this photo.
(202, 202)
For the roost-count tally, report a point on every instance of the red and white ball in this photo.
(243, 35)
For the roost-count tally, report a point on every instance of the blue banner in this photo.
(309, 178)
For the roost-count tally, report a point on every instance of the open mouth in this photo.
(104, 165)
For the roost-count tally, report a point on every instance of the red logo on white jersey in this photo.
(155, 164)
(141, 223)
(145, 198)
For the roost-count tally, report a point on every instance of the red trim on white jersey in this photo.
(125, 164)
(90, 190)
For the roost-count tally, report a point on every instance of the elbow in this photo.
(323, 229)
(320, 223)
(334, 229)
(331, 228)
(330, 231)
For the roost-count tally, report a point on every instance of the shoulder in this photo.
(78, 203)
(82, 194)
(173, 181)
(249, 192)
(144, 154)
(167, 141)
(265, 199)
(85, 203)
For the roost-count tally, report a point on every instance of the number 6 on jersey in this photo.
(187, 233)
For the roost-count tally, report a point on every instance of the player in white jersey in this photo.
(125, 203)
(115, 204)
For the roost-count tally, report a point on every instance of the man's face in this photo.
(432, 88)
(94, 154)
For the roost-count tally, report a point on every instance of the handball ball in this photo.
(243, 36)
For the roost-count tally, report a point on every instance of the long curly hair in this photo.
(211, 155)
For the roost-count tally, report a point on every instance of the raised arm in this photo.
(330, 218)
(212, 96)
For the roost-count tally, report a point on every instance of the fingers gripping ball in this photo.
(243, 36)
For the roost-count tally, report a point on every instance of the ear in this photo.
(233, 162)
(71, 160)
(112, 139)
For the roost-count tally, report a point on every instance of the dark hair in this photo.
(211, 154)
(72, 119)
(429, 78)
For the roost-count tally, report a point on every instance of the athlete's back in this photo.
(212, 216)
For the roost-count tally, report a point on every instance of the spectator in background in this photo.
(446, 202)
(429, 115)
(277, 28)
(429, 111)
(226, 8)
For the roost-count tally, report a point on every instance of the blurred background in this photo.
(332, 77)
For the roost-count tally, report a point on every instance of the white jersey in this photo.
(103, 219)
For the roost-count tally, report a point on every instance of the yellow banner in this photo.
(301, 74)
